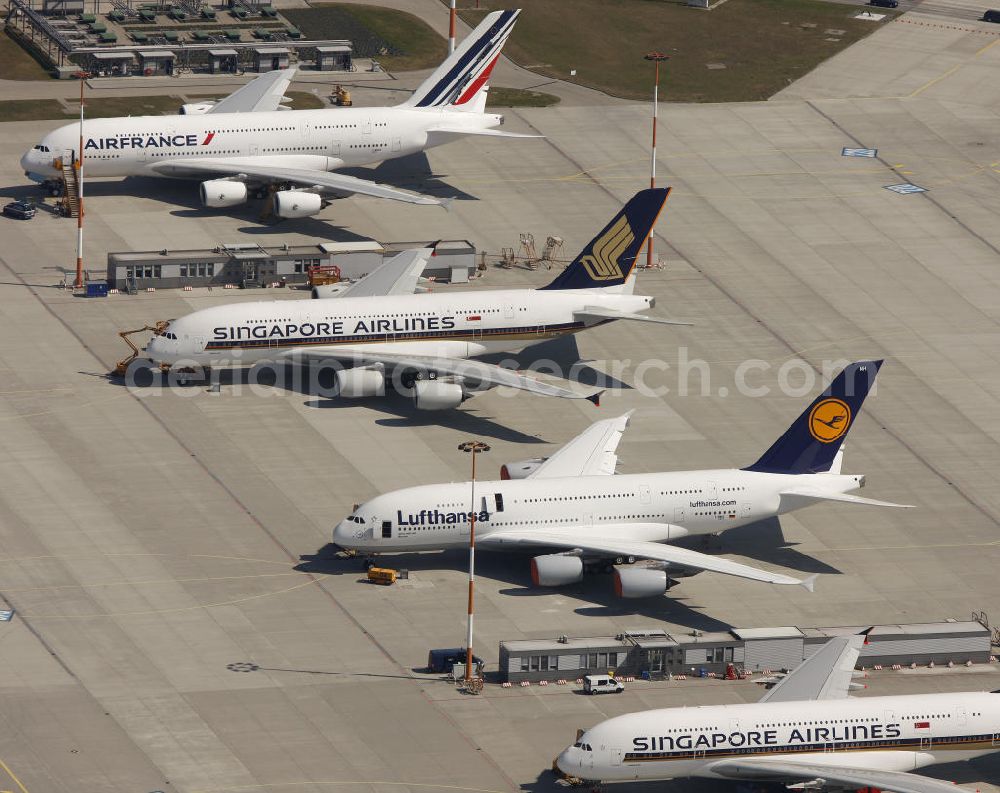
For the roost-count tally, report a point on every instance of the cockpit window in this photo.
(584, 746)
(40, 147)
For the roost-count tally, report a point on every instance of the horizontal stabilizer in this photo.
(814, 494)
(599, 312)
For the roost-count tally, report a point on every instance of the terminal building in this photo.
(252, 265)
(655, 654)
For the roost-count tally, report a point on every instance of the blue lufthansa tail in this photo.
(610, 257)
(812, 442)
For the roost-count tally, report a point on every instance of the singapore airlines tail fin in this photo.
(461, 82)
(812, 443)
(608, 261)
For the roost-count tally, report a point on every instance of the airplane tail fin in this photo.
(609, 259)
(812, 444)
(461, 82)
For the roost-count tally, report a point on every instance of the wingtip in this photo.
(595, 398)
(445, 203)
(809, 584)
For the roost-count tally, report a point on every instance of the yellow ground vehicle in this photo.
(382, 575)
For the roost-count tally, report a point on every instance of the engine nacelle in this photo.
(640, 582)
(437, 395)
(196, 108)
(521, 470)
(296, 204)
(556, 570)
(328, 290)
(220, 193)
(360, 382)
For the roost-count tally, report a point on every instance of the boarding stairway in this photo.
(71, 185)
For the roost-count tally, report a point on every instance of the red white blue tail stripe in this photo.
(458, 80)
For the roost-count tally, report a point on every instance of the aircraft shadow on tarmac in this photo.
(514, 569)
(764, 541)
(412, 172)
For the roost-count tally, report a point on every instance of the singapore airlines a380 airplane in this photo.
(805, 732)
(422, 343)
(581, 516)
(246, 141)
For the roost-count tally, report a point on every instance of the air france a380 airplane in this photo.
(804, 732)
(573, 508)
(244, 140)
(421, 342)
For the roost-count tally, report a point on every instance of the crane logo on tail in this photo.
(602, 262)
(829, 420)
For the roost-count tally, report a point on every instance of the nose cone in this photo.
(26, 161)
(342, 534)
(569, 761)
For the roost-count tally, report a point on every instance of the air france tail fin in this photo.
(461, 82)
(812, 443)
(609, 259)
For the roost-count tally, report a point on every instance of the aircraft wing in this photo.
(826, 674)
(261, 169)
(462, 368)
(815, 494)
(847, 776)
(599, 312)
(398, 276)
(591, 453)
(614, 540)
(260, 95)
(490, 133)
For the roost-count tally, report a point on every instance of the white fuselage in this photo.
(663, 507)
(450, 325)
(899, 733)
(325, 139)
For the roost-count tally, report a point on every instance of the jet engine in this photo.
(521, 470)
(360, 382)
(640, 582)
(296, 203)
(196, 108)
(556, 570)
(328, 290)
(223, 193)
(437, 395)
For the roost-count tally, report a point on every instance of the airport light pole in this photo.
(656, 58)
(78, 283)
(473, 447)
(451, 28)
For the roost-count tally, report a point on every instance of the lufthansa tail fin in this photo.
(811, 444)
(461, 82)
(609, 259)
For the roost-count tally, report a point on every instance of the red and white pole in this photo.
(475, 447)
(78, 283)
(472, 574)
(451, 28)
(655, 57)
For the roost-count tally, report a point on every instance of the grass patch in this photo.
(113, 107)
(400, 41)
(518, 97)
(763, 44)
(16, 63)
(31, 110)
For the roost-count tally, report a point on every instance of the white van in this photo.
(601, 684)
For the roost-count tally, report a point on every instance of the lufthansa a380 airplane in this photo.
(804, 732)
(422, 342)
(246, 141)
(582, 516)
